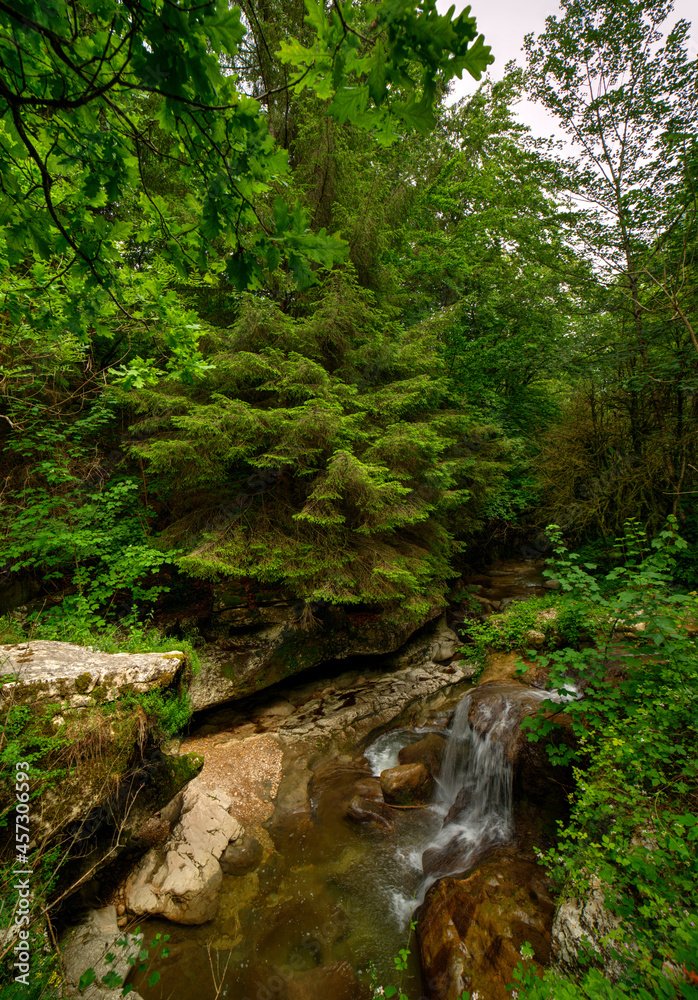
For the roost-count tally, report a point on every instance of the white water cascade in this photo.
(473, 811)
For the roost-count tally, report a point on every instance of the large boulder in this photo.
(334, 785)
(242, 856)
(41, 672)
(87, 945)
(180, 880)
(407, 784)
(512, 702)
(113, 775)
(471, 930)
(255, 646)
(429, 751)
(345, 791)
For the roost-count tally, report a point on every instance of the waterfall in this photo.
(475, 791)
(473, 811)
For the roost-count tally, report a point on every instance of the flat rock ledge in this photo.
(45, 671)
(87, 946)
(239, 665)
(180, 880)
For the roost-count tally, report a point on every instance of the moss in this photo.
(82, 683)
(99, 694)
(176, 773)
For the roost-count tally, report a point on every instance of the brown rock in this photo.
(533, 771)
(471, 930)
(407, 784)
(336, 981)
(242, 856)
(372, 814)
(428, 751)
(335, 784)
(503, 667)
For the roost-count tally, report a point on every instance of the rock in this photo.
(86, 946)
(552, 584)
(336, 981)
(504, 666)
(471, 930)
(533, 639)
(242, 856)
(255, 646)
(486, 605)
(445, 642)
(447, 859)
(45, 671)
(428, 751)
(370, 813)
(345, 790)
(350, 716)
(335, 784)
(180, 880)
(407, 784)
(534, 774)
(582, 924)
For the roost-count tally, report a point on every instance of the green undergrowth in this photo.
(130, 635)
(508, 630)
(633, 829)
(562, 620)
(67, 749)
(63, 744)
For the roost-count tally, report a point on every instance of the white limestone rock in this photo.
(43, 671)
(180, 881)
(86, 947)
(584, 923)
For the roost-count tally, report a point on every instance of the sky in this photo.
(504, 24)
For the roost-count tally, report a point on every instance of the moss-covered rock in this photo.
(43, 671)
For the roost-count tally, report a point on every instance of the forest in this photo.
(275, 309)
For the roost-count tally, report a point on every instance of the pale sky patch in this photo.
(504, 24)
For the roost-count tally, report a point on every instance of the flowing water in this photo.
(331, 890)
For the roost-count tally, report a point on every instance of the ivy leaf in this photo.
(88, 977)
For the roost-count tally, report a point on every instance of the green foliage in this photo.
(140, 961)
(634, 819)
(574, 623)
(44, 979)
(366, 54)
(508, 630)
(334, 455)
(167, 712)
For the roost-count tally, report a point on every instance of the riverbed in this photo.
(330, 902)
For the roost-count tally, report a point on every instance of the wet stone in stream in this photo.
(337, 871)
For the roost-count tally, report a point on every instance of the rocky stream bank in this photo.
(299, 828)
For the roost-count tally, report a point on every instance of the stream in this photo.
(338, 884)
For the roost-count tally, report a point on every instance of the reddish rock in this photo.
(428, 751)
(407, 784)
(471, 930)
